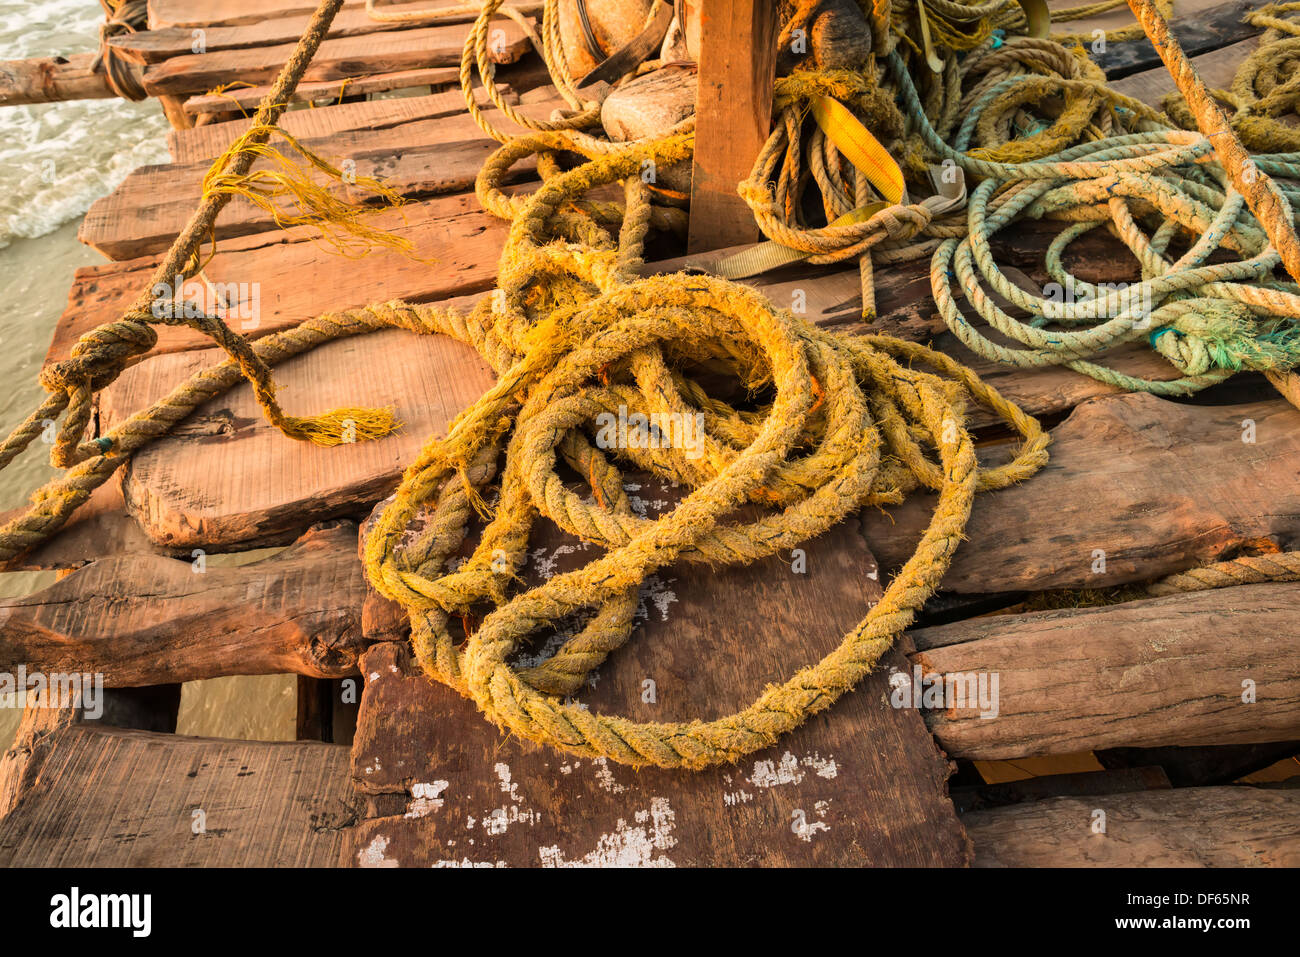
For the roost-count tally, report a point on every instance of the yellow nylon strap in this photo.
(859, 147)
(1038, 17)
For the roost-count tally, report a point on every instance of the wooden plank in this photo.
(20, 765)
(248, 98)
(733, 117)
(155, 46)
(141, 619)
(224, 478)
(1197, 26)
(423, 158)
(456, 248)
(1155, 485)
(859, 784)
(1188, 827)
(208, 13)
(1203, 668)
(205, 143)
(204, 803)
(51, 80)
(416, 49)
(1217, 68)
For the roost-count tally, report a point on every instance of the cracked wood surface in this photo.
(1211, 667)
(1182, 827)
(142, 619)
(861, 783)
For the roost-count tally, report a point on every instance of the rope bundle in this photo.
(573, 333)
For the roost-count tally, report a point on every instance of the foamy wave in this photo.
(58, 158)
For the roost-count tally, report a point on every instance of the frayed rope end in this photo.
(342, 426)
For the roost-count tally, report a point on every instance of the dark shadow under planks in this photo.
(1183, 827)
(860, 783)
(114, 798)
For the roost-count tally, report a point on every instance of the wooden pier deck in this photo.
(1149, 690)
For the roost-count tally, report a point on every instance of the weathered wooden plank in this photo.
(423, 158)
(141, 619)
(206, 13)
(51, 80)
(733, 110)
(859, 784)
(416, 49)
(207, 803)
(1187, 827)
(205, 143)
(1148, 485)
(223, 478)
(155, 46)
(1217, 68)
(455, 251)
(1198, 26)
(21, 762)
(248, 98)
(1213, 667)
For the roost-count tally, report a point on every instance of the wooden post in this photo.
(733, 115)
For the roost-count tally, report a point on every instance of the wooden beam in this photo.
(460, 243)
(155, 46)
(51, 80)
(733, 115)
(416, 49)
(110, 798)
(1211, 667)
(422, 158)
(1148, 485)
(143, 620)
(224, 478)
(210, 13)
(207, 142)
(1183, 827)
(248, 98)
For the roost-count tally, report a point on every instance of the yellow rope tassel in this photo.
(310, 204)
(342, 426)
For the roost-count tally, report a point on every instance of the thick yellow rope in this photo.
(847, 421)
